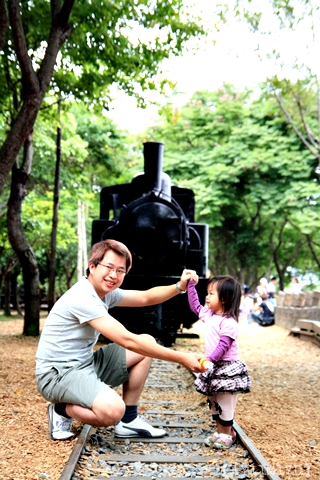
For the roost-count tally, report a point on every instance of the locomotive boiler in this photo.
(155, 220)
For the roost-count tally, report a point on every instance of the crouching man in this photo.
(79, 381)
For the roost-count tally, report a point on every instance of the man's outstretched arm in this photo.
(155, 295)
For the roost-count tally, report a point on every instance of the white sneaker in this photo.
(59, 426)
(139, 427)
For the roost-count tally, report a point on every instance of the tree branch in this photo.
(30, 80)
(307, 129)
(60, 31)
(35, 86)
(315, 243)
(294, 253)
(4, 22)
(314, 254)
(55, 8)
(296, 130)
(65, 11)
(318, 103)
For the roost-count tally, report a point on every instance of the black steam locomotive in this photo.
(156, 221)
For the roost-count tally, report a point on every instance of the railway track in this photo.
(169, 401)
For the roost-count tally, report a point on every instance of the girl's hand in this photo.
(186, 276)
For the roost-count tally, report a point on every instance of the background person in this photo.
(228, 375)
(262, 288)
(77, 381)
(265, 314)
(295, 286)
(271, 288)
(246, 304)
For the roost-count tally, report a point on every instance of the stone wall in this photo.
(293, 307)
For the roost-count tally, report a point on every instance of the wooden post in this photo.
(82, 242)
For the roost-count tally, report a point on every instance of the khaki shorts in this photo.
(81, 384)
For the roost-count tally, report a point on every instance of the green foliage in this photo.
(95, 153)
(109, 157)
(111, 43)
(253, 179)
(288, 12)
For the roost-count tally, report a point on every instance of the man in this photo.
(77, 381)
(266, 308)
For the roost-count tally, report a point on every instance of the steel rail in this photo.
(76, 452)
(266, 469)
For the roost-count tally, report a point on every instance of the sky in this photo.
(206, 70)
(227, 56)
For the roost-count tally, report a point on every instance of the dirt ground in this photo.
(280, 415)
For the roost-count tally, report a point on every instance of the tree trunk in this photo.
(20, 244)
(7, 292)
(15, 291)
(80, 246)
(53, 244)
(4, 22)
(275, 246)
(34, 85)
(69, 275)
(11, 263)
(311, 245)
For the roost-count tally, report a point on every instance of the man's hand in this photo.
(191, 362)
(186, 276)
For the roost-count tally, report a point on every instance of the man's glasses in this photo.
(119, 273)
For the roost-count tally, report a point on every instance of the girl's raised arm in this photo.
(193, 298)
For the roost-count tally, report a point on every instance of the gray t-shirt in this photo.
(67, 339)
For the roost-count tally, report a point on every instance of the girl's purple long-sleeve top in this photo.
(193, 298)
(224, 342)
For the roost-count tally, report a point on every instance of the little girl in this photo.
(228, 375)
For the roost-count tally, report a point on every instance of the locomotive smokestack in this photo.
(153, 155)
